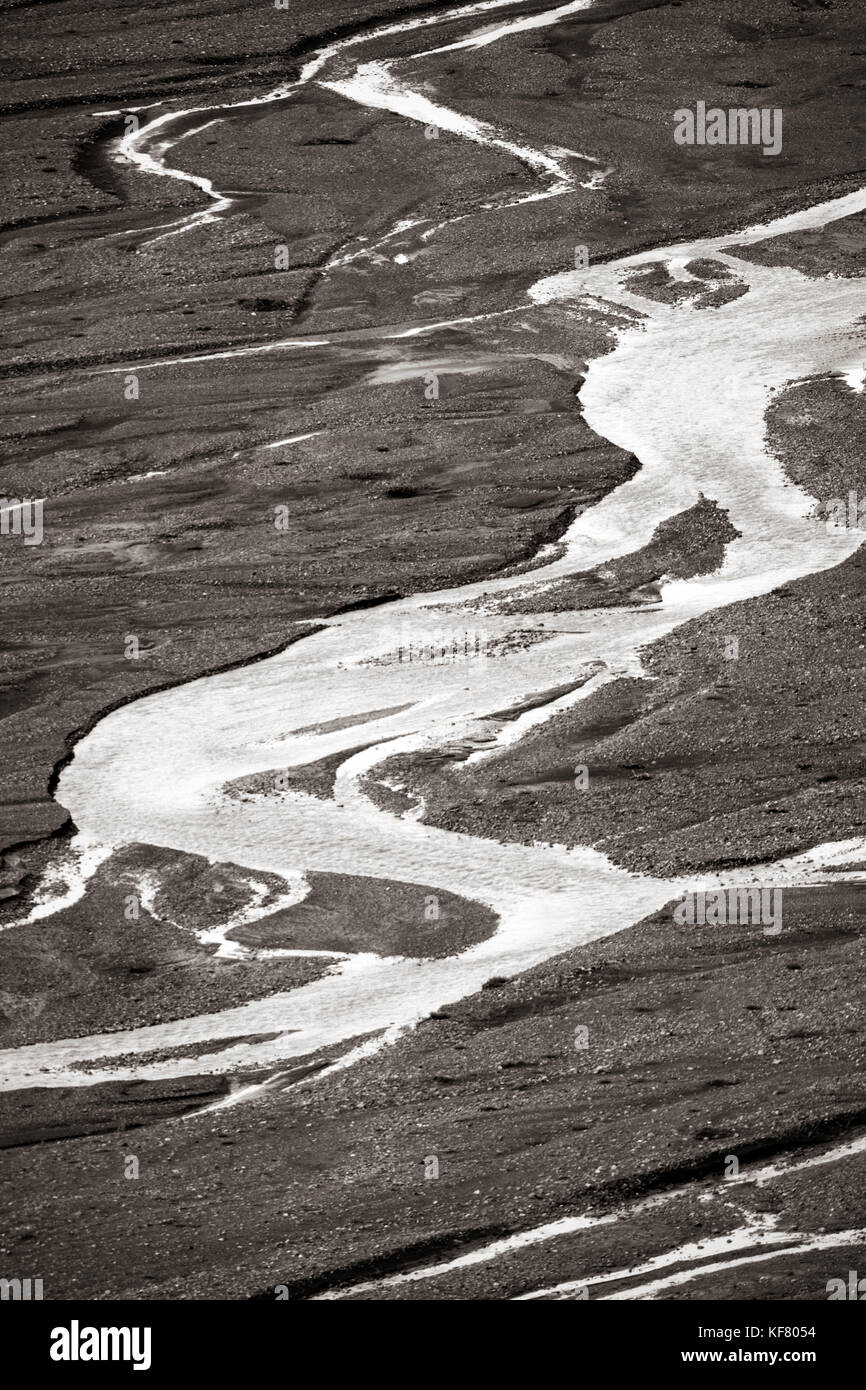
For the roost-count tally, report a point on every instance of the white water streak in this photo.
(148, 147)
(293, 439)
(802, 1245)
(64, 882)
(574, 1225)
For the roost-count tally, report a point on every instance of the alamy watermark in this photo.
(77, 1343)
(854, 1288)
(732, 907)
(738, 126)
(441, 645)
(22, 517)
(20, 1290)
(846, 514)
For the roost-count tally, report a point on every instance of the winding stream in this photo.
(686, 390)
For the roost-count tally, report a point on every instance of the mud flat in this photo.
(700, 1043)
